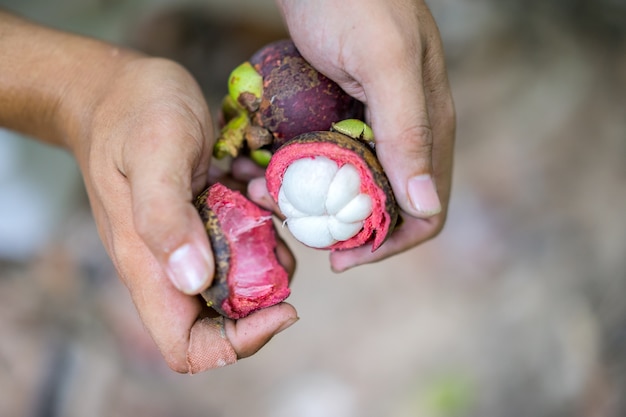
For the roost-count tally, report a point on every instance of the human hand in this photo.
(141, 133)
(143, 142)
(387, 54)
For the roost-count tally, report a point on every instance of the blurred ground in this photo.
(515, 310)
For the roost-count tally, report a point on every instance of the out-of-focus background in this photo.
(517, 309)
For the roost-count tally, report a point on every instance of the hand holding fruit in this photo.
(141, 133)
(146, 148)
(388, 55)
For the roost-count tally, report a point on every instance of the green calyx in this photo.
(230, 108)
(356, 129)
(231, 137)
(245, 86)
(261, 157)
(240, 134)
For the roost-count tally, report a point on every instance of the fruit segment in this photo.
(322, 202)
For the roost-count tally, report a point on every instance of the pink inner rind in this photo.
(375, 226)
(255, 278)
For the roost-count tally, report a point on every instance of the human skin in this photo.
(142, 136)
(141, 133)
(387, 54)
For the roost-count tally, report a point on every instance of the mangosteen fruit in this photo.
(278, 95)
(248, 275)
(331, 188)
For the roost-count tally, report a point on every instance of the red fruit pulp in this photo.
(255, 278)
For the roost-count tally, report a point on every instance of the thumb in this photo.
(404, 139)
(164, 216)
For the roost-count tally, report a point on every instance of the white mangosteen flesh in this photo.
(322, 203)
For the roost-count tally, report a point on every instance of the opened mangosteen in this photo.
(248, 276)
(332, 189)
(320, 156)
(275, 96)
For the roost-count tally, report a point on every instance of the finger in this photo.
(209, 346)
(244, 169)
(251, 333)
(241, 171)
(412, 232)
(189, 341)
(257, 192)
(285, 257)
(404, 136)
(418, 155)
(160, 177)
(166, 313)
(216, 342)
(393, 90)
(442, 117)
(216, 173)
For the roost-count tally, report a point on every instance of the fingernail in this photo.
(423, 195)
(287, 324)
(188, 268)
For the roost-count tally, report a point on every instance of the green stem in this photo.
(231, 138)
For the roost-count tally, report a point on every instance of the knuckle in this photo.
(417, 139)
(420, 133)
(412, 134)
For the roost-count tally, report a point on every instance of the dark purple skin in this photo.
(296, 97)
(271, 56)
